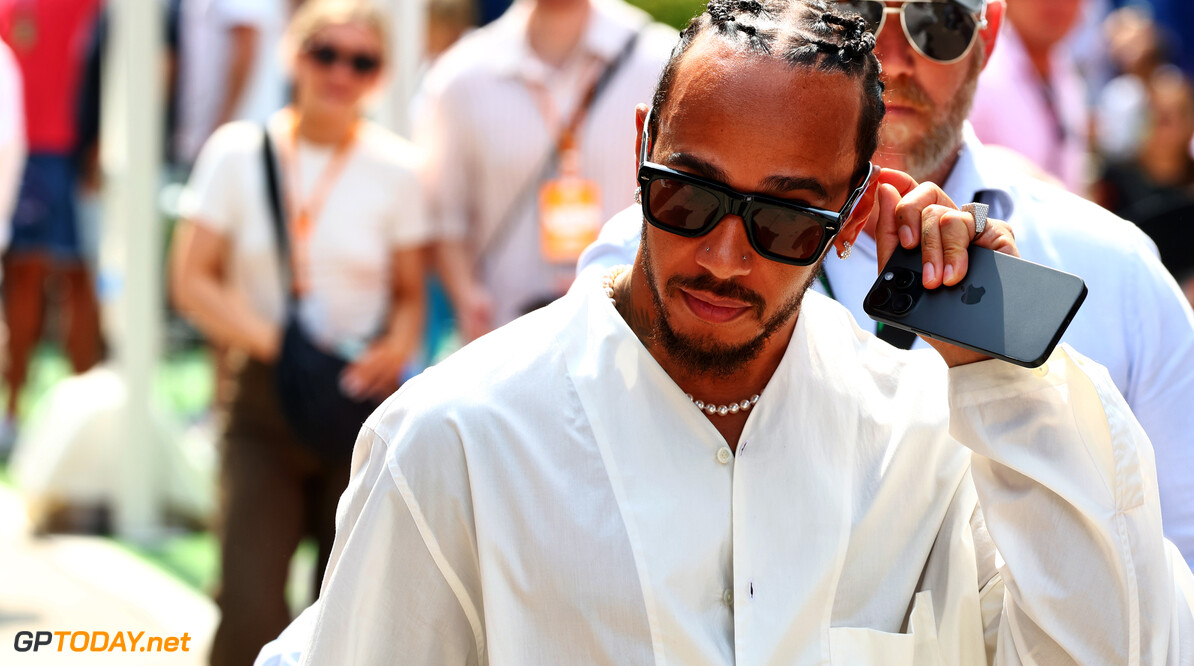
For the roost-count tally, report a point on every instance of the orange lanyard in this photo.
(303, 213)
(565, 135)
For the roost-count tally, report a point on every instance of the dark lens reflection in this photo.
(678, 204)
(786, 232)
(941, 30)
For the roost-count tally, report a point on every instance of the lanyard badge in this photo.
(569, 211)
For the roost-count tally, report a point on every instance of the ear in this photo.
(640, 116)
(860, 218)
(995, 13)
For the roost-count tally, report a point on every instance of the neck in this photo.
(1040, 57)
(633, 300)
(554, 29)
(1166, 167)
(324, 128)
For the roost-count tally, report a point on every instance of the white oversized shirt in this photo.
(548, 495)
(1135, 320)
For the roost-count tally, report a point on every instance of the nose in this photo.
(726, 250)
(892, 48)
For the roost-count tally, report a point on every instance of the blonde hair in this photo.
(315, 15)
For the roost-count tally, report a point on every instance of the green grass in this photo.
(193, 558)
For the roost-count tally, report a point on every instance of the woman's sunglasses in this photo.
(361, 64)
(942, 31)
(783, 231)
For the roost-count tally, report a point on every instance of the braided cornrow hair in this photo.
(810, 33)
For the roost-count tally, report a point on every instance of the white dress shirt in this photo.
(1135, 320)
(487, 139)
(548, 495)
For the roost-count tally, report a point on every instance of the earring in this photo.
(708, 249)
(638, 195)
(845, 251)
(744, 257)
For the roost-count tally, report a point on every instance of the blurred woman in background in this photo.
(350, 288)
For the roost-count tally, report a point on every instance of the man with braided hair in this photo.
(695, 462)
(1135, 322)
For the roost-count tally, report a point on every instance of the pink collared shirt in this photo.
(1045, 121)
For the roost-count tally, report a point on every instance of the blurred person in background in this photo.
(1031, 97)
(355, 231)
(447, 22)
(12, 142)
(1160, 173)
(229, 67)
(12, 164)
(1155, 188)
(532, 108)
(49, 40)
(1137, 50)
(1135, 320)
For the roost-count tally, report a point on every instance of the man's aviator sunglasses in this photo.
(783, 231)
(943, 31)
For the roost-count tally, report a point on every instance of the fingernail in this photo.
(930, 273)
(949, 274)
(905, 237)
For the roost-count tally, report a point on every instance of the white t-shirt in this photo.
(372, 208)
(203, 66)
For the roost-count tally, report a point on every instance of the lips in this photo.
(713, 309)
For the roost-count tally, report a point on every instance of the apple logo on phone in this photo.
(973, 294)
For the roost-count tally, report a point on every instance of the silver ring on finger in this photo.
(979, 211)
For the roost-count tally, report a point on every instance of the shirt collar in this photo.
(976, 179)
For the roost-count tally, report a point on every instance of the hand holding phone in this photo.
(1004, 307)
(925, 241)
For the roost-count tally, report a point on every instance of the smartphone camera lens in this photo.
(904, 279)
(879, 297)
(901, 304)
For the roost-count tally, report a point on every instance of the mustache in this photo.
(720, 288)
(903, 91)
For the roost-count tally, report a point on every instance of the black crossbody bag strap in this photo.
(277, 215)
(551, 161)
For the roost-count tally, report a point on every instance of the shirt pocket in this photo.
(857, 646)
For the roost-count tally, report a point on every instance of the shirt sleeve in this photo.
(213, 196)
(395, 590)
(409, 226)
(1067, 484)
(1161, 381)
(443, 135)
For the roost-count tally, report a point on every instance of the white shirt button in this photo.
(724, 455)
(727, 598)
(1042, 371)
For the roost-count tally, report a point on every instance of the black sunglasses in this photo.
(327, 56)
(942, 30)
(783, 231)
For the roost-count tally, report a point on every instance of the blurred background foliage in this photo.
(675, 13)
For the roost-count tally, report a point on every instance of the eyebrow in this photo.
(776, 183)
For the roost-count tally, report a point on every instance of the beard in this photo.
(703, 355)
(925, 154)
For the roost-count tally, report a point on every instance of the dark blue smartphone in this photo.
(1005, 307)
